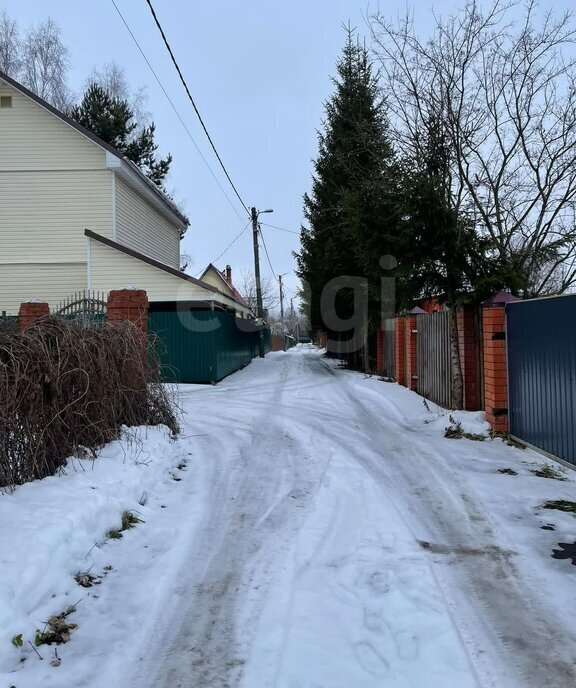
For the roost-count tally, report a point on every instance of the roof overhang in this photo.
(218, 295)
(114, 159)
(127, 171)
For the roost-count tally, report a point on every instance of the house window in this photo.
(5, 101)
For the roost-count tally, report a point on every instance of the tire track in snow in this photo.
(514, 626)
(261, 505)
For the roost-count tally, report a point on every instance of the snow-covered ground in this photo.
(311, 528)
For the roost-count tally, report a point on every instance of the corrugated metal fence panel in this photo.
(389, 345)
(541, 341)
(202, 346)
(235, 343)
(433, 358)
(186, 344)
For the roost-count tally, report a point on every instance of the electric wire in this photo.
(167, 44)
(282, 229)
(234, 240)
(266, 252)
(176, 111)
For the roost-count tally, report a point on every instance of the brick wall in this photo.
(129, 304)
(494, 359)
(410, 344)
(401, 350)
(31, 312)
(468, 344)
(380, 350)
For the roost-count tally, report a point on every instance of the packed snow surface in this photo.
(310, 528)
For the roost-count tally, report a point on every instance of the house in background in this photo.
(222, 280)
(75, 214)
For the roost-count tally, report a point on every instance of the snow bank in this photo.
(54, 528)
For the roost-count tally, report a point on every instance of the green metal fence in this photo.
(203, 346)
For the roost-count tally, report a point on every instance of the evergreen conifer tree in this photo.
(353, 206)
(112, 120)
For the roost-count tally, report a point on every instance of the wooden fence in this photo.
(433, 366)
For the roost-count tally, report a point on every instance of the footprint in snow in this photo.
(370, 660)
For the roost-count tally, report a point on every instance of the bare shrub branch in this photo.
(66, 390)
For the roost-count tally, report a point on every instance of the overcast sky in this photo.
(259, 71)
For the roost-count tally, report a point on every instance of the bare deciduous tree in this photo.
(45, 63)
(112, 78)
(9, 46)
(270, 291)
(506, 92)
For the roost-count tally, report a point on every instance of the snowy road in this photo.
(347, 544)
(311, 528)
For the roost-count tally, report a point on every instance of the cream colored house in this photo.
(75, 214)
(222, 280)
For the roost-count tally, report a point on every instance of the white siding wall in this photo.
(43, 215)
(111, 269)
(48, 282)
(141, 228)
(53, 184)
(32, 138)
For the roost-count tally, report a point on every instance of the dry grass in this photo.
(66, 390)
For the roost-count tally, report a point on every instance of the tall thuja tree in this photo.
(351, 210)
(112, 119)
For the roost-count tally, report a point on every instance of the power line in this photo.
(234, 240)
(175, 110)
(266, 252)
(149, 3)
(282, 229)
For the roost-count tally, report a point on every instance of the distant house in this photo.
(222, 280)
(75, 214)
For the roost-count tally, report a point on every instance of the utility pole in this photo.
(260, 308)
(282, 313)
(260, 315)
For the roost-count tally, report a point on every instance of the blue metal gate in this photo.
(541, 341)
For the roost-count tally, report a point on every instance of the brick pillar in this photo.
(380, 350)
(469, 355)
(31, 312)
(495, 373)
(129, 304)
(410, 340)
(401, 350)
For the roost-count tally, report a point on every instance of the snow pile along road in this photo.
(324, 534)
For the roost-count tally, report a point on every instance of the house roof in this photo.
(161, 266)
(133, 169)
(222, 275)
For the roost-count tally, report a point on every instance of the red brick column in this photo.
(469, 355)
(401, 350)
(129, 304)
(410, 340)
(31, 312)
(495, 373)
(380, 350)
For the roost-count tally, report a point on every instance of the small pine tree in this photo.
(112, 120)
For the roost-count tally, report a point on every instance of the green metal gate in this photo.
(202, 346)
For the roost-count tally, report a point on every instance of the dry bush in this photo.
(66, 390)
